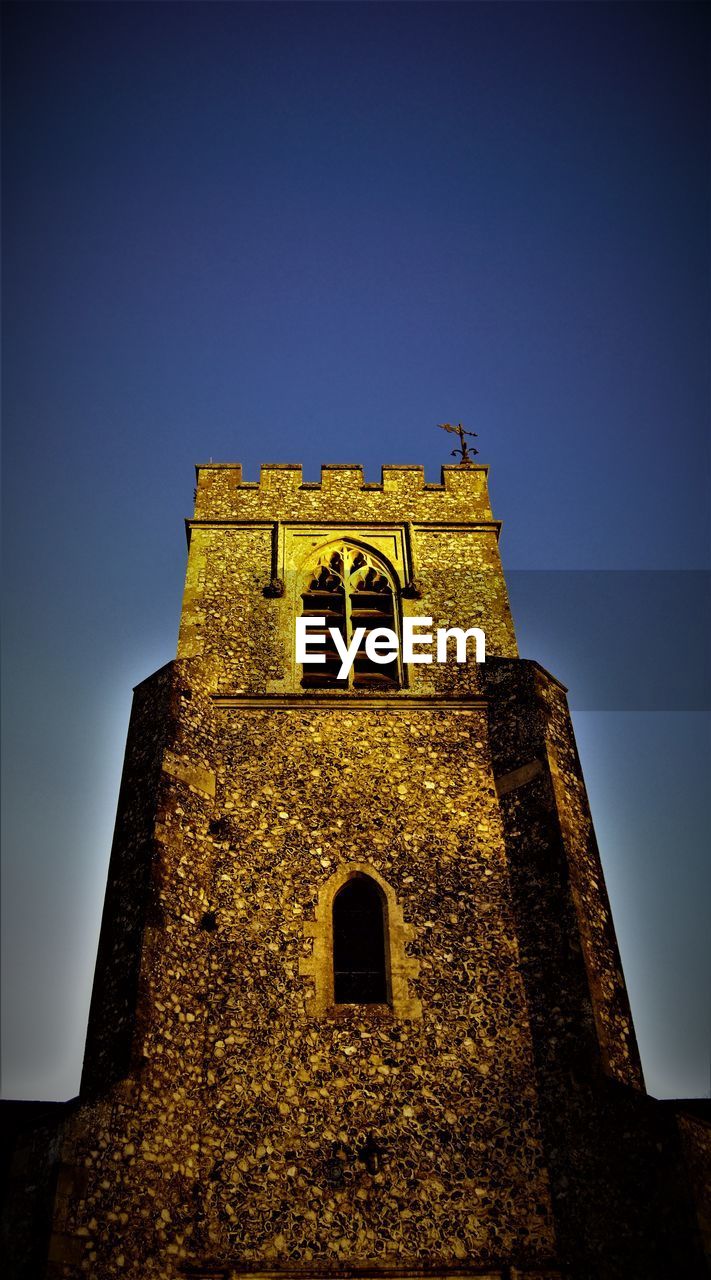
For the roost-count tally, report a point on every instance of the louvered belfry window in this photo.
(350, 589)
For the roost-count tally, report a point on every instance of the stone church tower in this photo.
(358, 1006)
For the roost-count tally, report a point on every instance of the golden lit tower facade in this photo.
(358, 1005)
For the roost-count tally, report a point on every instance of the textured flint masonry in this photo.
(489, 1117)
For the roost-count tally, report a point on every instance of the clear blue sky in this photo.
(310, 232)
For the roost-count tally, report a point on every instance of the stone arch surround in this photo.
(319, 965)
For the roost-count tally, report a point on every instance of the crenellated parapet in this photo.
(342, 494)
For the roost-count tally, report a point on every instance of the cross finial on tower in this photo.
(466, 450)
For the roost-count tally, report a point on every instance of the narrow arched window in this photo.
(351, 589)
(359, 961)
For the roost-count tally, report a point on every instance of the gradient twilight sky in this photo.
(310, 232)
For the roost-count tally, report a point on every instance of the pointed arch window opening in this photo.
(349, 588)
(360, 963)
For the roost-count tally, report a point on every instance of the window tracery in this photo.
(350, 588)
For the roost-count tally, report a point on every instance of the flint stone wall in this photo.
(245, 1120)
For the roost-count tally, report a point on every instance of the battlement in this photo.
(390, 473)
(341, 493)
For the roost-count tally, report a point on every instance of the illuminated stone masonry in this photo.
(358, 1006)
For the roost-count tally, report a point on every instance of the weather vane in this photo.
(466, 451)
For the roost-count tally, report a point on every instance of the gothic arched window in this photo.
(359, 961)
(350, 588)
